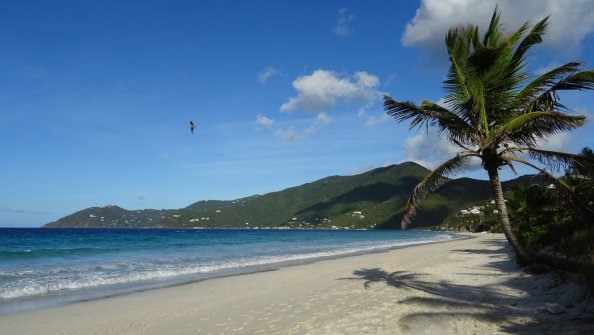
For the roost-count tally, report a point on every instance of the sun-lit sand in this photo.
(469, 286)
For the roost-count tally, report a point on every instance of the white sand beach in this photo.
(469, 286)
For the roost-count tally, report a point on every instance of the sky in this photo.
(96, 96)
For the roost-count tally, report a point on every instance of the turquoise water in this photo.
(47, 267)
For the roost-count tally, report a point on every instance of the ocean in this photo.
(41, 268)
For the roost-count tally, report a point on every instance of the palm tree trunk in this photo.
(525, 254)
(503, 217)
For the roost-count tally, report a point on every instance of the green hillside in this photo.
(111, 217)
(374, 199)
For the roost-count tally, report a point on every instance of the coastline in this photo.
(460, 286)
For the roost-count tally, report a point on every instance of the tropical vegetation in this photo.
(495, 112)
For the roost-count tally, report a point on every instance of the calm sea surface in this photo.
(48, 267)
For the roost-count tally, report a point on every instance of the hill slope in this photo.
(374, 199)
(111, 217)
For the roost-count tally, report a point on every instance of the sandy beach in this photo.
(469, 286)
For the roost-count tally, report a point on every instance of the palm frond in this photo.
(579, 81)
(405, 110)
(493, 32)
(532, 38)
(431, 183)
(430, 114)
(458, 43)
(449, 123)
(555, 160)
(527, 129)
(541, 93)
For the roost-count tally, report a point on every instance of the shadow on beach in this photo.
(520, 303)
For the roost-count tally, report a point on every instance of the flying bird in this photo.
(192, 126)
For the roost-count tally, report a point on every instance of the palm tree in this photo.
(493, 112)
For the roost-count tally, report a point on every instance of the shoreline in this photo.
(466, 285)
(56, 299)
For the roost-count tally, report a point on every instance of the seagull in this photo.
(192, 126)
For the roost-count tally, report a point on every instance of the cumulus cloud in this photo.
(556, 142)
(291, 134)
(324, 89)
(264, 122)
(434, 17)
(320, 92)
(344, 23)
(373, 120)
(321, 120)
(267, 73)
(429, 150)
(288, 134)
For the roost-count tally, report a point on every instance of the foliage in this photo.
(546, 217)
(479, 217)
(493, 111)
(111, 217)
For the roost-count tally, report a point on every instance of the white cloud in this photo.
(320, 92)
(374, 120)
(289, 134)
(571, 20)
(430, 151)
(321, 120)
(264, 122)
(323, 89)
(344, 23)
(292, 135)
(557, 142)
(267, 73)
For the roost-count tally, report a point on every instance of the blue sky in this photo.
(96, 96)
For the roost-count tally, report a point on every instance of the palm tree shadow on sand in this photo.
(519, 305)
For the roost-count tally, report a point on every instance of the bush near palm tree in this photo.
(544, 219)
(493, 112)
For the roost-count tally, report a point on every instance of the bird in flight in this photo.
(192, 126)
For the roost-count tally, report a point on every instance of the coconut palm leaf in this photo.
(458, 45)
(541, 94)
(532, 38)
(539, 88)
(527, 129)
(432, 182)
(552, 159)
(556, 161)
(402, 111)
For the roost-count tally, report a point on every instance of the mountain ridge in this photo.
(373, 199)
